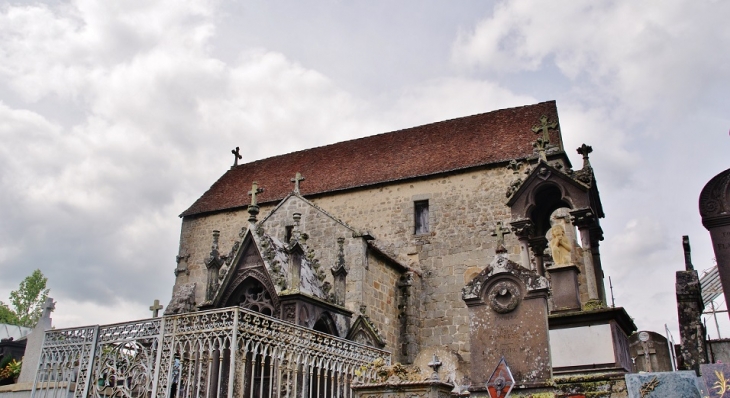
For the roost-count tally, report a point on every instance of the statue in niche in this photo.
(561, 238)
(560, 245)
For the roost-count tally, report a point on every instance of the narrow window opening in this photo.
(421, 216)
(289, 229)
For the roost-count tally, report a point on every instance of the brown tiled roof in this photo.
(414, 152)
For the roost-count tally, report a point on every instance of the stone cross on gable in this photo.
(254, 190)
(155, 308)
(236, 155)
(500, 231)
(297, 178)
(544, 127)
(585, 150)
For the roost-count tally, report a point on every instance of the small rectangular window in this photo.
(289, 230)
(421, 216)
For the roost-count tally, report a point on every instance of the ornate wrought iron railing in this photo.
(231, 352)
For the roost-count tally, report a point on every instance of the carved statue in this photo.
(560, 245)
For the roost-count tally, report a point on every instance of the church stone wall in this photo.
(463, 210)
(463, 207)
(380, 297)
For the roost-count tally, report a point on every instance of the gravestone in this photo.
(716, 379)
(715, 212)
(650, 352)
(684, 384)
(508, 319)
(35, 343)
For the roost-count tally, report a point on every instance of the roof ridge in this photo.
(419, 151)
(391, 132)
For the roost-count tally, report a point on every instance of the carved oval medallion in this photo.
(504, 297)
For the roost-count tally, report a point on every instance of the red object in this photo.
(456, 144)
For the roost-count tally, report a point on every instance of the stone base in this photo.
(421, 389)
(16, 390)
(23, 390)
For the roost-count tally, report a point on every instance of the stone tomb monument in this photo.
(684, 384)
(715, 212)
(508, 319)
(716, 379)
(650, 352)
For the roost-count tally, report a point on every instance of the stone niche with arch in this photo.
(545, 192)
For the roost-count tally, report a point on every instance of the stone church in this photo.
(461, 242)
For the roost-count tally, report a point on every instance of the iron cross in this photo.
(155, 308)
(236, 155)
(544, 126)
(298, 177)
(254, 190)
(500, 232)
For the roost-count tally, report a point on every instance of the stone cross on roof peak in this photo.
(544, 127)
(253, 192)
(236, 156)
(297, 178)
(585, 150)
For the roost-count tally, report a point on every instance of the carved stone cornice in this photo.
(582, 218)
(523, 228)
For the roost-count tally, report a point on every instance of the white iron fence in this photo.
(231, 352)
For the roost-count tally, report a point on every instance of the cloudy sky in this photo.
(116, 115)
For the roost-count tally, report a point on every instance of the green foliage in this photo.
(7, 315)
(27, 301)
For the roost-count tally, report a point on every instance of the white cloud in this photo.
(640, 54)
(116, 116)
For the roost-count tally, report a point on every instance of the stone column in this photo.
(408, 317)
(689, 311)
(339, 274)
(715, 212)
(523, 229)
(584, 219)
(596, 237)
(538, 245)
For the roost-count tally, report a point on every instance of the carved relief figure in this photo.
(560, 245)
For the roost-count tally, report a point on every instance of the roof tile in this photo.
(413, 152)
